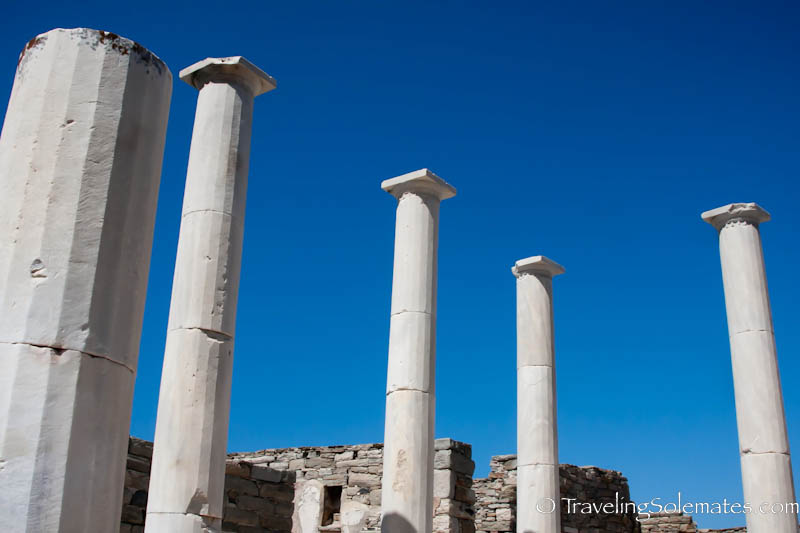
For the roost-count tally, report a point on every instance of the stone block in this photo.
(240, 517)
(237, 469)
(364, 480)
(444, 483)
(447, 459)
(253, 503)
(264, 473)
(140, 448)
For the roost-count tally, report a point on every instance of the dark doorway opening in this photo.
(333, 504)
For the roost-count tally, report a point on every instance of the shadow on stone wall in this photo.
(257, 498)
(394, 523)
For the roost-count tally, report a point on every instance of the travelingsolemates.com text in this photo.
(645, 510)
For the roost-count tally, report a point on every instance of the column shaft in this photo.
(538, 500)
(763, 440)
(407, 485)
(188, 471)
(80, 163)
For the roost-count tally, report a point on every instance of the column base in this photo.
(188, 471)
(181, 523)
(538, 499)
(407, 485)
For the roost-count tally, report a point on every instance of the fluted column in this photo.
(80, 164)
(538, 501)
(763, 441)
(188, 471)
(407, 485)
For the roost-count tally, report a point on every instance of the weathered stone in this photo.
(444, 483)
(136, 480)
(760, 417)
(140, 464)
(237, 468)
(265, 473)
(364, 480)
(407, 490)
(253, 503)
(240, 517)
(139, 498)
(194, 402)
(344, 456)
(309, 504)
(448, 459)
(496, 498)
(241, 486)
(132, 514)
(140, 448)
(537, 435)
(80, 164)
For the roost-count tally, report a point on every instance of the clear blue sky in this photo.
(591, 132)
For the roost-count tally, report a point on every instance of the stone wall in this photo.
(258, 498)
(453, 497)
(668, 523)
(495, 508)
(261, 487)
(679, 523)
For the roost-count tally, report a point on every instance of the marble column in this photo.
(188, 471)
(538, 500)
(407, 485)
(80, 165)
(763, 442)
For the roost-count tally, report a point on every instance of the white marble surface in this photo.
(537, 432)
(309, 504)
(763, 439)
(538, 484)
(188, 470)
(407, 484)
(80, 174)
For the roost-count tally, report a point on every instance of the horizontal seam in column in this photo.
(83, 352)
(533, 464)
(407, 390)
(204, 330)
(535, 366)
(417, 312)
(208, 211)
(752, 331)
(186, 514)
(744, 454)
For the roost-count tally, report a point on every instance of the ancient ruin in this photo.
(194, 403)
(537, 432)
(80, 162)
(407, 493)
(86, 121)
(763, 443)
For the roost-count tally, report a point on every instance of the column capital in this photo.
(419, 181)
(228, 69)
(537, 265)
(749, 212)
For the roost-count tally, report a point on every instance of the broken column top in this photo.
(228, 69)
(111, 42)
(751, 212)
(422, 181)
(538, 264)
